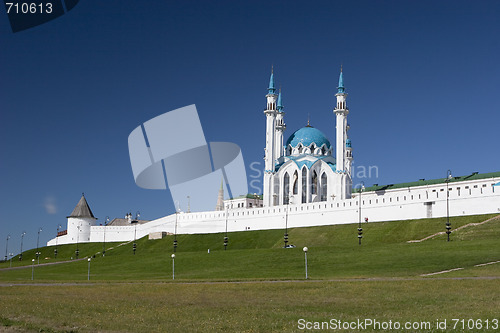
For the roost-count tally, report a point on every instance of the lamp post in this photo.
(175, 232)
(285, 236)
(448, 224)
(104, 237)
(226, 239)
(305, 249)
(21, 253)
(189, 204)
(37, 243)
(88, 271)
(77, 252)
(173, 266)
(360, 230)
(7, 248)
(32, 269)
(137, 215)
(57, 235)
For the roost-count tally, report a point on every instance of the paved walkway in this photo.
(459, 228)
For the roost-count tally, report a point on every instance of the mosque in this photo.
(306, 183)
(304, 169)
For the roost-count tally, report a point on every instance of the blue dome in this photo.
(308, 135)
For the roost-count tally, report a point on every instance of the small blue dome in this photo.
(348, 143)
(308, 135)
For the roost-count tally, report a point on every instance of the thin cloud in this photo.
(50, 205)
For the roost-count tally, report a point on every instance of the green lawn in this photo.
(258, 286)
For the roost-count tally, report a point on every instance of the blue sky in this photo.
(422, 79)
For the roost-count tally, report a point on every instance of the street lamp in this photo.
(57, 235)
(173, 266)
(189, 204)
(7, 247)
(11, 255)
(226, 239)
(37, 243)
(175, 232)
(137, 215)
(360, 230)
(77, 252)
(104, 238)
(32, 269)
(448, 224)
(305, 249)
(21, 253)
(88, 271)
(285, 236)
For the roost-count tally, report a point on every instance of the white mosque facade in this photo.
(306, 183)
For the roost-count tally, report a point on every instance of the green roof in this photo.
(422, 182)
(249, 196)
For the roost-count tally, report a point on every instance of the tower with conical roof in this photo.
(270, 150)
(220, 199)
(79, 222)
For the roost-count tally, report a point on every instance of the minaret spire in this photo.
(220, 197)
(271, 89)
(280, 103)
(341, 88)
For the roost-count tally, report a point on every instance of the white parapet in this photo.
(465, 198)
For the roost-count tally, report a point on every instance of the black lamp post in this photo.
(175, 232)
(226, 239)
(448, 224)
(57, 235)
(360, 230)
(7, 248)
(37, 243)
(77, 252)
(285, 236)
(104, 237)
(137, 215)
(21, 253)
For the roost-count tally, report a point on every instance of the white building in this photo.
(304, 181)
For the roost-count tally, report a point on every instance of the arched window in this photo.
(289, 150)
(295, 183)
(314, 183)
(304, 185)
(286, 189)
(323, 150)
(324, 187)
(300, 148)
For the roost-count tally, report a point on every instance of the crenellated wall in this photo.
(465, 198)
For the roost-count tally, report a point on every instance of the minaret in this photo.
(280, 128)
(220, 197)
(341, 111)
(270, 153)
(348, 155)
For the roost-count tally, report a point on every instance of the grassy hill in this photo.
(253, 255)
(379, 280)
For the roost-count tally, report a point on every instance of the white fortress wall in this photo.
(465, 198)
